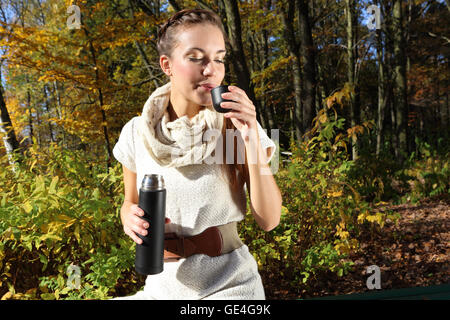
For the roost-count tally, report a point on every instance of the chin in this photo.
(204, 100)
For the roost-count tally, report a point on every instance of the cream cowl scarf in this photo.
(180, 142)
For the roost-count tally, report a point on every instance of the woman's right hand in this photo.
(132, 223)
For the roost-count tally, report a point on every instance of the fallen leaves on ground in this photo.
(413, 253)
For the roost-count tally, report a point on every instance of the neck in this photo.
(178, 109)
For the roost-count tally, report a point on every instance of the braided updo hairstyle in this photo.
(167, 40)
(183, 19)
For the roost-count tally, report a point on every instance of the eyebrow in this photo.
(200, 49)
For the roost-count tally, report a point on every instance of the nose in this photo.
(210, 69)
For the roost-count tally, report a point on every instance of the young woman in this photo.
(200, 193)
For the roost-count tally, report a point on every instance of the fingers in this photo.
(236, 106)
(247, 115)
(237, 90)
(238, 95)
(134, 225)
(136, 210)
(133, 229)
(239, 106)
(138, 221)
(139, 227)
(243, 107)
(132, 235)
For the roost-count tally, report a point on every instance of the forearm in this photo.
(265, 196)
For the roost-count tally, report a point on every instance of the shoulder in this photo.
(130, 128)
(132, 123)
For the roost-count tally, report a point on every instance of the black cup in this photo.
(216, 96)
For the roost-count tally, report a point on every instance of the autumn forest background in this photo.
(359, 91)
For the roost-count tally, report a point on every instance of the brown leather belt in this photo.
(213, 242)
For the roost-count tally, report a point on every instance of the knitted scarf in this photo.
(180, 142)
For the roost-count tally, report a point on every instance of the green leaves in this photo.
(44, 261)
(320, 208)
(63, 215)
(20, 190)
(52, 188)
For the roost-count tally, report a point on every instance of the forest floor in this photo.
(413, 253)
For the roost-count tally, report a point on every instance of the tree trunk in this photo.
(381, 93)
(307, 52)
(100, 98)
(321, 86)
(400, 96)
(47, 108)
(262, 47)
(438, 112)
(30, 119)
(447, 124)
(265, 62)
(175, 5)
(287, 17)
(59, 111)
(9, 139)
(256, 64)
(395, 143)
(144, 57)
(351, 74)
(411, 130)
(233, 25)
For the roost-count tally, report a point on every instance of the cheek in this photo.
(184, 71)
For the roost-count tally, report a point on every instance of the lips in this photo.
(207, 86)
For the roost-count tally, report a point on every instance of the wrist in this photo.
(251, 137)
(125, 207)
(254, 153)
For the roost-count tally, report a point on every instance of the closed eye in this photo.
(196, 60)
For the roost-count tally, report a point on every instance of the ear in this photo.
(165, 64)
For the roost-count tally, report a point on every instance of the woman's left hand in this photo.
(243, 114)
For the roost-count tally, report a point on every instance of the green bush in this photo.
(322, 212)
(56, 212)
(59, 209)
(429, 171)
(373, 177)
(424, 174)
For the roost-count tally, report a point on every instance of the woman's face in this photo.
(197, 59)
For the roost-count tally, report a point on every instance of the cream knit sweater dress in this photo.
(197, 197)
